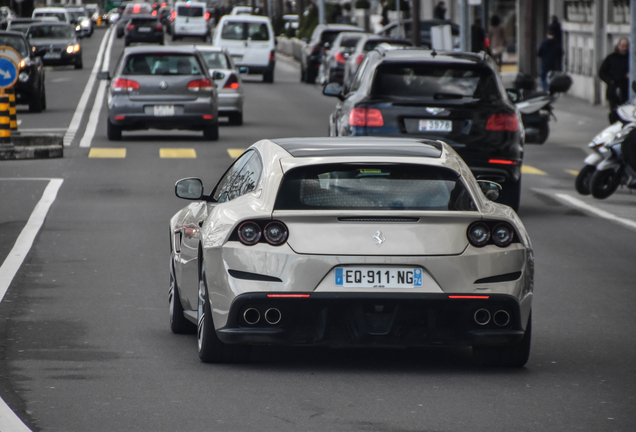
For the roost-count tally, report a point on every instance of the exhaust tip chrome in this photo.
(251, 316)
(272, 316)
(501, 318)
(482, 317)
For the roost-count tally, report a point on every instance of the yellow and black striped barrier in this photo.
(12, 111)
(5, 119)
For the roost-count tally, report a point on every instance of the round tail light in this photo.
(275, 233)
(503, 234)
(249, 233)
(478, 234)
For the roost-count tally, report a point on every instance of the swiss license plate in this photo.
(52, 55)
(144, 29)
(378, 277)
(436, 125)
(164, 110)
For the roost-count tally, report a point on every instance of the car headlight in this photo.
(26, 62)
(72, 48)
(78, 28)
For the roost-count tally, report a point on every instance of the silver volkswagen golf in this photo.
(161, 88)
(350, 242)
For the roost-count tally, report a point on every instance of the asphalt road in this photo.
(85, 343)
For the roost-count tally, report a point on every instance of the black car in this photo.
(333, 62)
(320, 42)
(144, 28)
(56, 42)
(29, 88)
(130, 10)
(455, 97)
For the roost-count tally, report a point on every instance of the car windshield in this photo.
(59, 15)
(17, 43)
(190, 11)
(372, 187)
(438, 81)
(238, 30)
(216, 60)
(51, 32)
(161, 64)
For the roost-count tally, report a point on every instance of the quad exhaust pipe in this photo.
(501, 318)
(252, 316)
(272, 316)
(482, 317)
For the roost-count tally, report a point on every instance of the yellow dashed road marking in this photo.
(573, 172)
(97, 152)
(531, 170)
(166, 153)
(234, 153)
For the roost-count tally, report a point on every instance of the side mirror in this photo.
(189, 188)
(216, 75)
(244, 70)
(491, 189)
(333, 89)
(103, 75)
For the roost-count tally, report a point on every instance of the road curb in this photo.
(34, 146)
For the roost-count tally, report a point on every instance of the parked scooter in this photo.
(536, 106)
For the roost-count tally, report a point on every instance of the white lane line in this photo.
(596, 211)
(79, 111)
(9, 421)
(91, 126)
(43, 130)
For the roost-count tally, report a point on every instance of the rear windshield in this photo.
(144, 21)
(372, 187)
(371, 45)
(161, 64)
(18, 27)
(17, 43)
(237, 30)
(329, 36)
(51, 32)
(216, 60)
(349, 41)
(59, 15)
(190, 11)
(438, 81)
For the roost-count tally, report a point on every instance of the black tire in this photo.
(511, 194)
(544, 132)
(126, 42)
(211, 133)
(302, 74)
(36, 105)
(310, 75)
(43, 96)
(79, 64)
(235, 119)
(174, 38)
(604, 183)
(113, 132)
(583, 180)
(514, 356)
(178, 322)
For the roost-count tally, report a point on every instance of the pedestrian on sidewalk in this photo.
(477, 36)
(440, 11)
(614, 72)
(497, 37)
(550, 52)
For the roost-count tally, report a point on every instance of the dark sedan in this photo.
(144, 28)
(455, 97)
(57, 44)
(29, 89)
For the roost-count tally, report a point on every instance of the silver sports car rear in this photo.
(350, 241)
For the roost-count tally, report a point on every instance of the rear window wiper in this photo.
(448, 96)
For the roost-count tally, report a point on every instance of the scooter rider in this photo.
(614, 71)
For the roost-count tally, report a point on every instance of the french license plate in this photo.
(164, 110)
(52, 55)
(378, 277)
(144, 29)
(436, 125)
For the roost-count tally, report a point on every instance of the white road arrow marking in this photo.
(6, 75)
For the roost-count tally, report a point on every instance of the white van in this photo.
(250, 41)
(57, 12)
(189, 20)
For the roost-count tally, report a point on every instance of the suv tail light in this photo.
(130, 27)
(121, 84)
(159, 27)
(359, 59)
(272, 55)
(203, 84)
(340, 58)
(503, 122)
(370, 117)
(231, 83)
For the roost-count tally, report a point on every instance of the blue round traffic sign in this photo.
(8, 72)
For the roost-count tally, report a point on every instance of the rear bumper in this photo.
(230, 102)
(142, 122)
(373, 319)
(145, 37)
(258, 69)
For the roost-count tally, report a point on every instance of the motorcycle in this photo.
(582, 182)
(536, 107)
(615, 169)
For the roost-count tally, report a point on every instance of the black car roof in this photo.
(360, 146)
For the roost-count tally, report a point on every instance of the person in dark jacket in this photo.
(555, 26)
(614, 72)
(477, 36)
(550, 52)
(440, 11)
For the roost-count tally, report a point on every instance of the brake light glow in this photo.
(502, 162)
(173, 15)
(207, 16)
(503, 123)
(208, 117)
(340, 58)
(200, 85)
(121, 84)
(272, 55)
(154, 13)
(130, 27)
(231, 83)
(136, 8)
(370, 117)
(467, 297)
(288, 295)
(119, 117)
(159, 27)
(359, 59)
